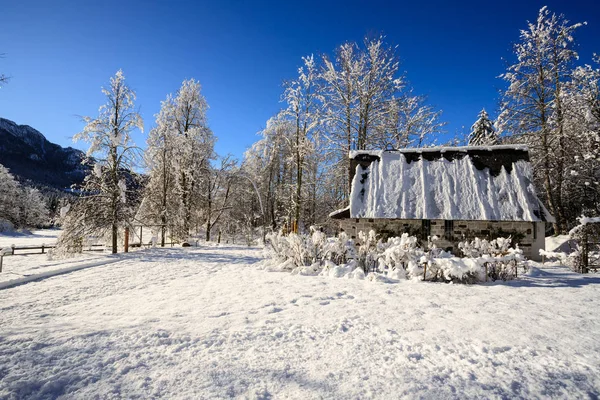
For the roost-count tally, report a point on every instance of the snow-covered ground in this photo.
(559, 243)
(34, 238)
(24, 265)
(208, 323)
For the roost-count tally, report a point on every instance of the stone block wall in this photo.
(530, 235)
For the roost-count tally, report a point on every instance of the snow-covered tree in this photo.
(581, 102)
(193, 151)
(217, 192)
(302, 97)
(269, 164)
(532, 108)
(409, 122)
(377, 84)
(178, 158)
(104, 207)
(160, 204)
(9, 198)
(482, 131)
(358, 85)
(20, 206)
(33, 209)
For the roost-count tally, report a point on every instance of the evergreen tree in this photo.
(482, 131)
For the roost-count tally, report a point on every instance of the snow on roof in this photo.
(452, 183)
(340, 213)
(443, 149)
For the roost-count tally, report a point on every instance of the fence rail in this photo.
(30, 250)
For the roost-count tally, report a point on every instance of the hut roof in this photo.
(452, 183)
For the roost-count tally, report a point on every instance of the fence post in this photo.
(424, 271)
(12, 247)
(1, 257)
(42, 248)
(486, 271)
(126, 240)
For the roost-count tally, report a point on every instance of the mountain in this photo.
(30, 156)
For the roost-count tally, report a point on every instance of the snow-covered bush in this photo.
(455, 269)
(305, 249)
(397, 258)
(277, 246)
(369, 251)
(402, 257)
(564, 258)
(496, 260)
(339, 249)
(480, 247)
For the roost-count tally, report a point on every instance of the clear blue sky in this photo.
(60, 53)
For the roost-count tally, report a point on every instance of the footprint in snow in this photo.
(219, 315)
(498, 350)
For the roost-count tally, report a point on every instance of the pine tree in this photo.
(482, 131)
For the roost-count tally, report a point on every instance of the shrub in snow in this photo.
(277, 246)
(305, 250)
(401, 257)
(369, 250)
(496, 260)
(480, 247)
(455, 269)
(397, 258)
(564, 258)
(339, 249)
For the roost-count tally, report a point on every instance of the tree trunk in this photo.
(114, 238)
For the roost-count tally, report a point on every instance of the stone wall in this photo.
(529, 235)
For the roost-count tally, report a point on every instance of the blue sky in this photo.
(60, 53)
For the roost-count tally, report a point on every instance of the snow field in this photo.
(207, 323)
(35, 238)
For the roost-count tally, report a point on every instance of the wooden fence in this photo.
(31, 250)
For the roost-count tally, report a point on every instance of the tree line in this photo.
(357, 99)
(297, 172)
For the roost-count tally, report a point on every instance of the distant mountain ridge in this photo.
(30, 156)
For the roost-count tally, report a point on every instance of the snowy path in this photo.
(206, 323)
